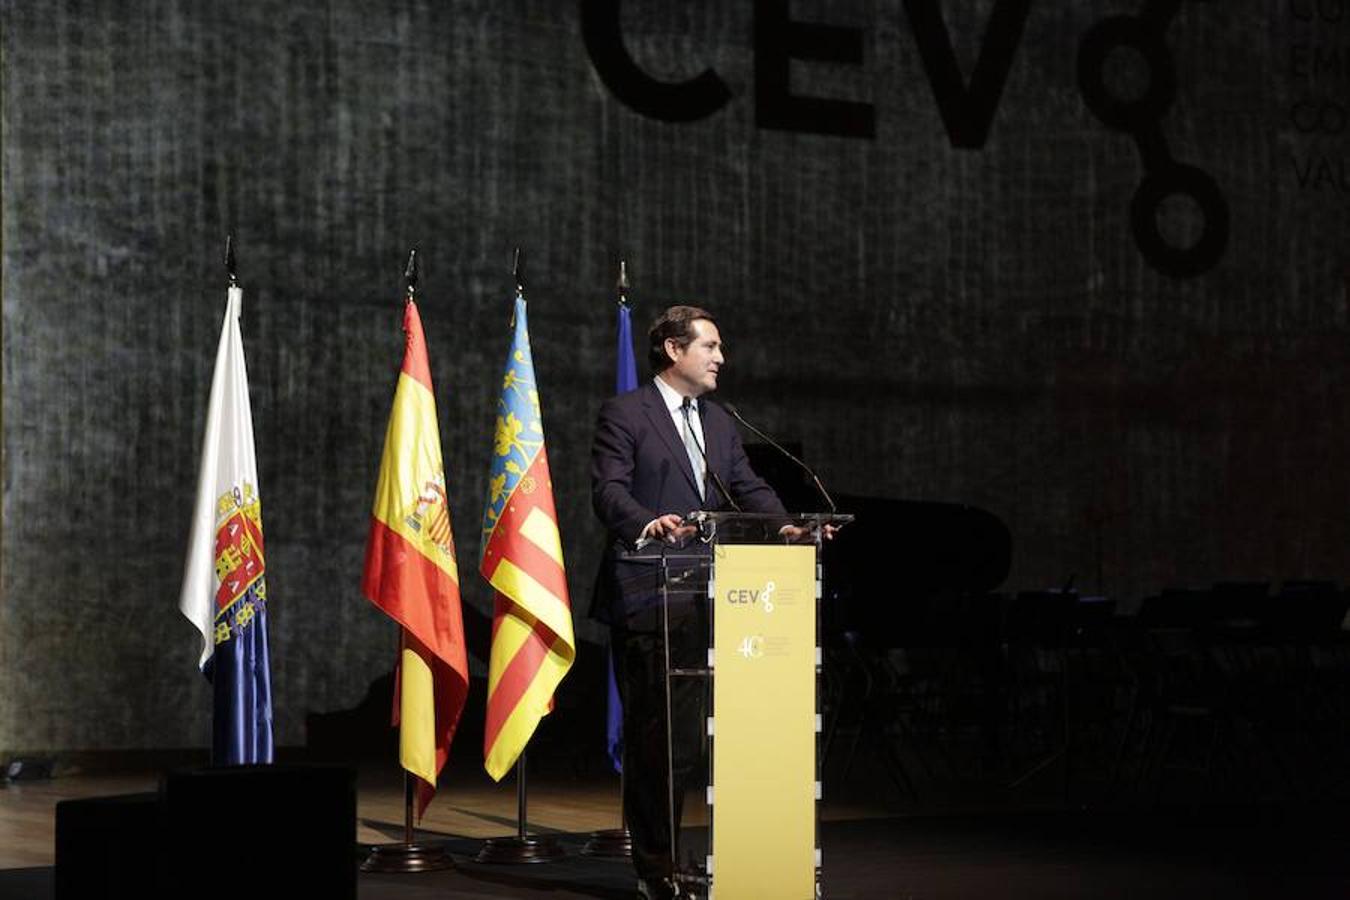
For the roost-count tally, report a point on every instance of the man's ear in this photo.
(671, 349)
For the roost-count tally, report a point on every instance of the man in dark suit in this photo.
(660, 452)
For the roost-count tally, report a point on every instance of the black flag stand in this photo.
(611, 842)
(523, 847)
(407, 856)
(614, 842)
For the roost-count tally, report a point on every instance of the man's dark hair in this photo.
(676, 324)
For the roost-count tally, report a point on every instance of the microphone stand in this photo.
(815, 479)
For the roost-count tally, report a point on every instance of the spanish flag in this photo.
(532, 643)
(411, 572)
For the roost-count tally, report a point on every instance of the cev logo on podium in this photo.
(749, 596)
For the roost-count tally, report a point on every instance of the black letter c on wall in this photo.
(684, 101)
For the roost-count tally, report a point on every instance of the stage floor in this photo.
(869, 850)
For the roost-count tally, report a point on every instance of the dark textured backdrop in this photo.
(973, 325)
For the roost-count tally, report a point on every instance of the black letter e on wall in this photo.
(778, 41)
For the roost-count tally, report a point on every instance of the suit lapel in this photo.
(660, 419)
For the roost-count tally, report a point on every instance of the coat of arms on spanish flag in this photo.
(411, 574)
(532, 641)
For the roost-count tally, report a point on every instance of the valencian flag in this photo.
(224, 590)
(411, 573)
(532, 643)
(625, 380)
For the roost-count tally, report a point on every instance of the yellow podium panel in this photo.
(764, 713)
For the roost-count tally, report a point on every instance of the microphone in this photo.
(783, 450)
(707, 466)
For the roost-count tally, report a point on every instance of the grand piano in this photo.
(905, 572)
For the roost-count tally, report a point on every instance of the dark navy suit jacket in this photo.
(640, 470)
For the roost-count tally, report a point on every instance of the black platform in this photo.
(1162, 854)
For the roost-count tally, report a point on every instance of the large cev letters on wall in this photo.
(967, 108)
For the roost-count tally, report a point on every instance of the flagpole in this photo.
(614, 842)
(230, 265)
(407, 808)
(408, 786)
(523, 847)
(520, 796)
(407, 857)
(410, 287)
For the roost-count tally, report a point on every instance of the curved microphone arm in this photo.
(815, 479)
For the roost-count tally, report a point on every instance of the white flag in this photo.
(224, 557)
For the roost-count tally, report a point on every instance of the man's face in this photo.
(695, 369)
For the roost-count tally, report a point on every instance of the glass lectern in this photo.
(739, 611)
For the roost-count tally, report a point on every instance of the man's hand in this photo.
(670, 528)
(800, 534)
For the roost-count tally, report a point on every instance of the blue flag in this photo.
(625, 375)
(625, 380)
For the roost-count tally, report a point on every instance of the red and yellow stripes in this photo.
(532, 640)
(411, 572)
